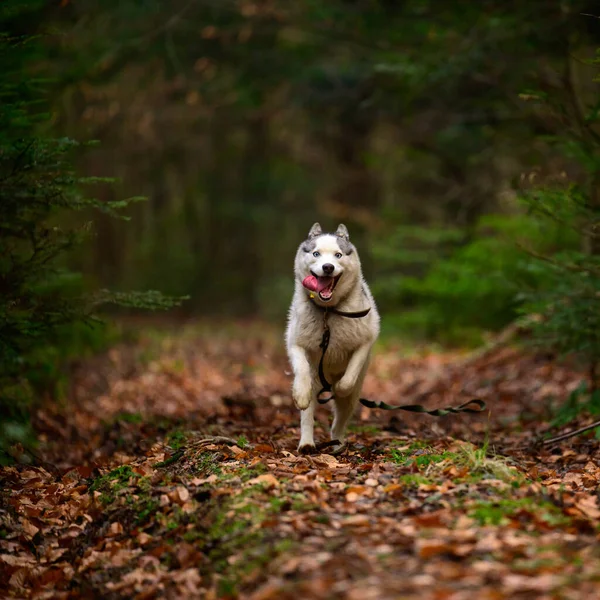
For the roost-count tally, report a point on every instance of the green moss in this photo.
(247, 473)
(130, 417)
(113, 482)
(171, 525)
(322, 518)
(208, 464)
(169, 461)
(120, 475)
(533, 566)
(424, 460)
(227, 588)
(242, 441)
(277, 503)
(192, 535)
(499, 512)
(146, 508)
(414, 454)
(301, 504)
(235, 527)
(414, 479)
(142, 503)
(177, 439)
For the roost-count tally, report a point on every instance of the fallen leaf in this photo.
(356, 521)
(588, 505)
(115, 529)
(267, 480)
(29, 529)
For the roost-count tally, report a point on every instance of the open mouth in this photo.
(323, 285)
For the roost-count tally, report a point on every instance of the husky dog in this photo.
(328, 275)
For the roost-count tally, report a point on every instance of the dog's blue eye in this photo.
(338, 255)
(316, 254)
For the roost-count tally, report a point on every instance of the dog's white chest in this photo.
(345, 336)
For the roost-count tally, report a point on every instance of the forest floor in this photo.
(136, 493)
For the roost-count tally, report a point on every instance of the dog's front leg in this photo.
(347, 383)
(307, 428)
(304, 397)
(302, 391)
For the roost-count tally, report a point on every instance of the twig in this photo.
(217, 439)
(565, 436)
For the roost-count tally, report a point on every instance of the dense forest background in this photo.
(457, 141)
(417, 123)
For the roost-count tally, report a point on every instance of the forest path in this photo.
(137, 493)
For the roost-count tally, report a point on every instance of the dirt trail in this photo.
(136, 493)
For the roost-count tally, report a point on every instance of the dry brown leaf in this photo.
(19, 577)
(267, 480)
(588, 505)
(28, 528)
(428, 548)
(356, 521)
(18, 561)
(115, 529)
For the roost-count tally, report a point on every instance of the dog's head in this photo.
(327, 264)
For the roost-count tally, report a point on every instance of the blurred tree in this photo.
(41, 303)
(245, 121)
(570, 307)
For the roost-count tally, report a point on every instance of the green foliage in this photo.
(580, 402)
(459, 286)
(45, 313)
(239, 526)
(569, 306)
(500, 512)
(344, 109)
(177, 439)
(113, 482)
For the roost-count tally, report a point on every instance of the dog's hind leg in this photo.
(342, 413)
(307, 427)
(355, 372)
(343, 410)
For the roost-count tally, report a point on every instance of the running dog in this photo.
(328, 276)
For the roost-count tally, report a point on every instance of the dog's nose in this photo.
(328, 268)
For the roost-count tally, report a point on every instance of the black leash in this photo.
(468, 407)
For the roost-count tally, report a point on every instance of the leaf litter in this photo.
(172, 472)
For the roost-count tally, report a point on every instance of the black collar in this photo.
(350, 315)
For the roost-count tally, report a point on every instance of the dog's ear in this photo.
(315, 230)
(342, 231)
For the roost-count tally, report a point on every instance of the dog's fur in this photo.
(347, 357)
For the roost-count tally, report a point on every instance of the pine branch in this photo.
(560, 265)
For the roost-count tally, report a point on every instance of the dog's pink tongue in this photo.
(310, 283)
(316, 284)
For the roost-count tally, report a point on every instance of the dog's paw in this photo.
(307, 449)
(344, 387)
(302, 394)
(338, 449)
